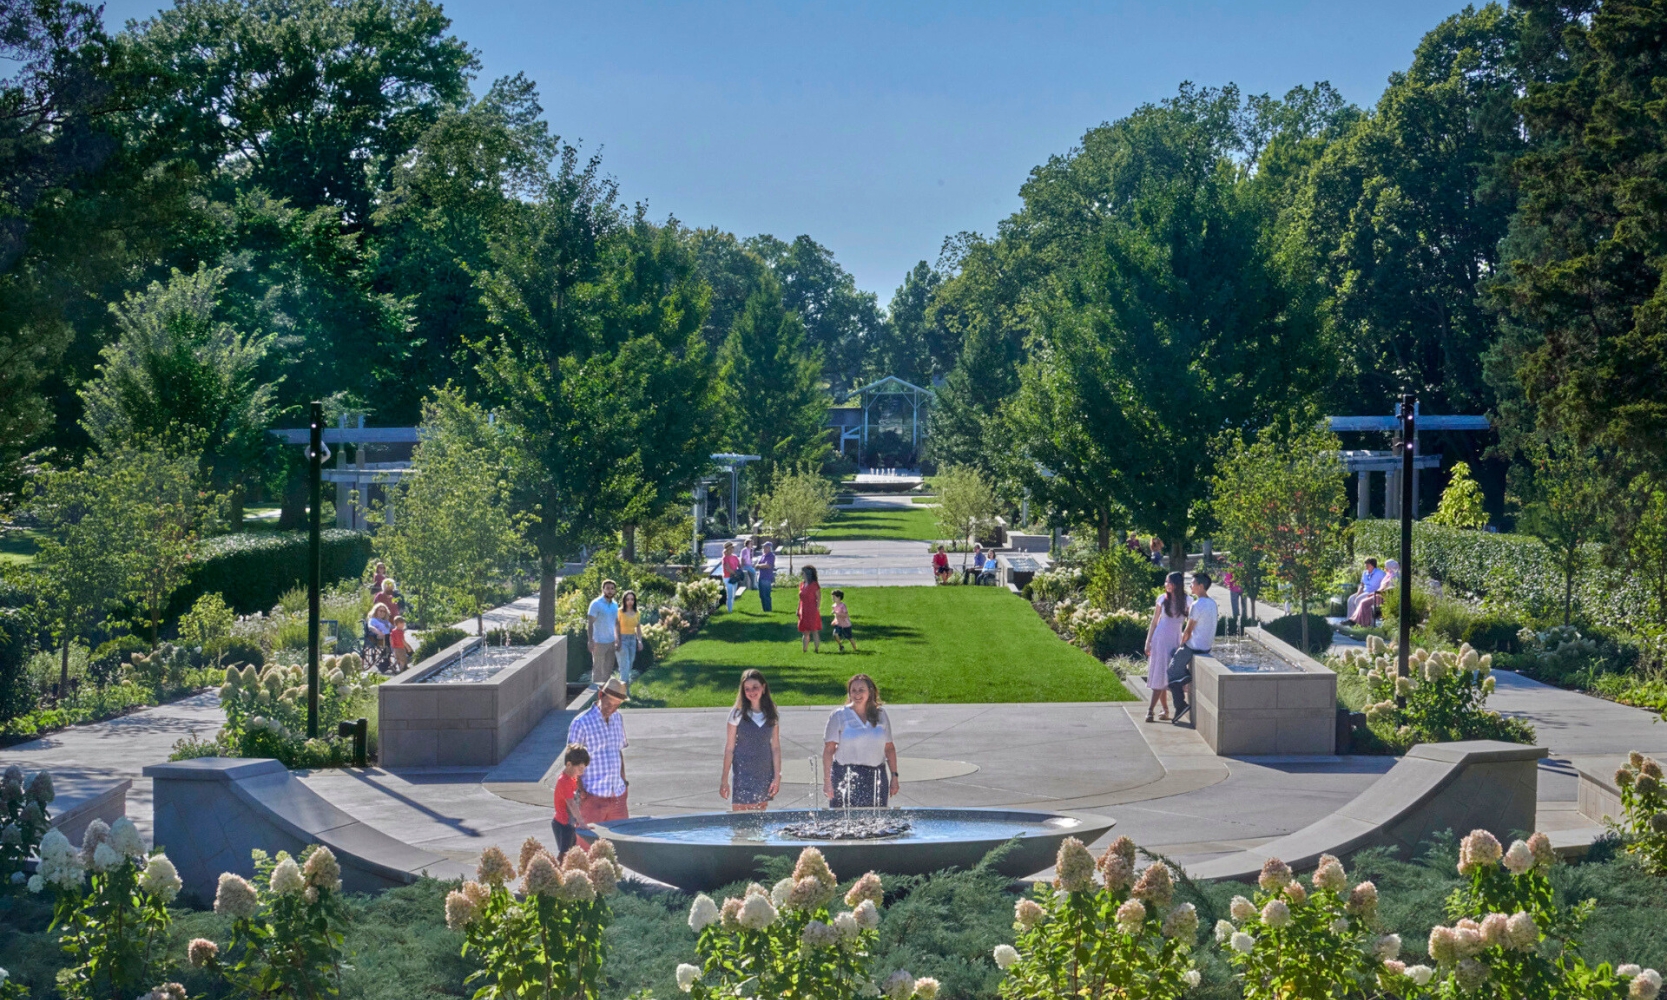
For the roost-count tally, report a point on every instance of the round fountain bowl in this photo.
(709, 850)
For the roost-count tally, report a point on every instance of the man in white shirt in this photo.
(1369, 582)
(1198, 636)
(602, 624)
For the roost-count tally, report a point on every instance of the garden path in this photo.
(876, 563)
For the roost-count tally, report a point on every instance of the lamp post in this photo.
(1408, 431)
(316, 454)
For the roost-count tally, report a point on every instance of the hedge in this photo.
(252, 570)
(1512, 574)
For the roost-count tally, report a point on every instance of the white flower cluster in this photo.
(60, 864)
(1380, 668)
(1642, 984)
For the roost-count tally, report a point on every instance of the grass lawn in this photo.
(18, 546)
(901, 524)
(921, 645)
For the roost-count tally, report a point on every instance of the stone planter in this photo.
(426, 723)
(1270, 700)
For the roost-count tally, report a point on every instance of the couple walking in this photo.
(1180, 629)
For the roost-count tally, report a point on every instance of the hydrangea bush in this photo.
(788, 943)
(266, 711)
(1323, 939)
(1511, 940)
(1099, 931)
(546, 940)
(1446, 695)
(23, 821)
(287, 927)
(1644, 811)
(110, 908)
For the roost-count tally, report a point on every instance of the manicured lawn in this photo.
(18, 546)
(921, 645)
(901, 524)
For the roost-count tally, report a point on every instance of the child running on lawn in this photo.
(842, 622)
(566, 824)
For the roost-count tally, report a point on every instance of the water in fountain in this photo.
(870, 823)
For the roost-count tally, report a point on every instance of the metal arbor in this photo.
(893, 387)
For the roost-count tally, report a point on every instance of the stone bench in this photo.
(79, 797)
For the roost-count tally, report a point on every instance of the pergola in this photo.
(891, 387)
(354, 481)
(1364, 463)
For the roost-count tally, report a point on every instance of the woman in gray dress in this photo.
(752, 756)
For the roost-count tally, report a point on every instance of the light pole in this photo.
(1408, 431)
(316, 453)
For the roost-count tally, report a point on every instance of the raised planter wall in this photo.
(468, 725)
(1260, 714)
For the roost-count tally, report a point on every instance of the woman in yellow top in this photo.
(630, 636)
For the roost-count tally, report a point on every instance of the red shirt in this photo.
(397, 637)
(566, 788)
(941, 560)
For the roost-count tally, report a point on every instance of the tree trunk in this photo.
(630, 552)
(292, 509)
(1304, 613)
(547, 593)
(1102, 531)
(63, 669)
(1178, 555)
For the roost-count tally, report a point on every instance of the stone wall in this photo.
(1277, 712)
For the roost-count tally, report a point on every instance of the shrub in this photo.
(1076, 939)
(1422, 604)
(1119, 580)
(436, 639)
(167, 667)
(1446, 695)
(1107, 634)
(1051, 586)
(230, 651)
(266, 710)
(110, 906)
(1643, 811)
(653, 585)
(24, 818)
(787, 943)
(209, 619)
(287, 927)
(699, 599)
(252, 571)
(604, 565)
(522, 633)
(549, 942)
(1288, 628)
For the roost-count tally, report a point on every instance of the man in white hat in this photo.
(601, 730)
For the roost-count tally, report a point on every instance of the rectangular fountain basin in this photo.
(1259, 696)
(467, 706)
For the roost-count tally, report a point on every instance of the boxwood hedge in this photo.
(252, 570)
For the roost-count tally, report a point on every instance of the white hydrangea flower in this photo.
(124, 837)
(1645, 986)
(780, 892)
(161, 878)
(1242, 909)
(1519, 858)
(867, 915)
(1388, 946)
(1241, 942)
(36, 883)
(757, 913)
(1276, 913)
(926, 988)
(687, 976)
(1224, 931)
(1006, 956)
(105, 857)
(1191, 977)
(703, 913)
(1420, 974)
(286, 878)
(899, 985)
(845, 922)
(1628, 970)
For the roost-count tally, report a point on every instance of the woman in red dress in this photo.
(810, 611)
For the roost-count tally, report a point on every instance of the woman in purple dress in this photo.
(1163, 636)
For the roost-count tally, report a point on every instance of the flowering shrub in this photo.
(1102, 633)
(1511, 940)
(286, 939)
(10, 990)
(662, 638)
(699, 599)
(547, 943)
(1446, 695)
(1319, 940)
(788, 944)
(110, 906)
(1644, 811)
(1123, 937)
(23, 821)
(266, 711)
(1053, 585)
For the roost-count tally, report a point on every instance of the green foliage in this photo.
(436, 639)
(1458, 623)
(1122, 939)
(1643, 819)
(798, 503)
(1322, 940)
(550, 941)
(1564, 499)
(1461, 502)
(788, 942)
(110, 907)
(1104, 634)
(287, 928)
(1120, 580)
(1291, 628)
(1445, 693)
(770, 374)
(450, 530)
(252, 571)
(266, 710)
(232, 651)
(604, 565)
(966, 502)
(208, 620)
(25, 820)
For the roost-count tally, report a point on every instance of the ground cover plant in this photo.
(900, 524)
(921, 644)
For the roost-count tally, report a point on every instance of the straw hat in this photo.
(615, 687)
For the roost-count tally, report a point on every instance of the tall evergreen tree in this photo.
(771, 376)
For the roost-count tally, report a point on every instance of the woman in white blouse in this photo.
(857, 750)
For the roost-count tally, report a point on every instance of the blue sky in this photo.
(881, 128)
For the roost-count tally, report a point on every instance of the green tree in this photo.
(179, 373)
(449, 527)
(1589, 246)
(1639, 541)
(966, 503)
(1282, 496)
(1563, 498)
(912, 345)
(78, 564)
(1461, 502)
(798, 503)
(771, 376)
(840, 322)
